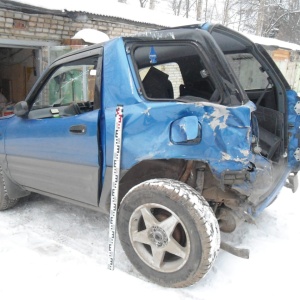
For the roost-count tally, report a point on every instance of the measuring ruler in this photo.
(115, 185)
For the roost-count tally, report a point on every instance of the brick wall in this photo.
(47, 27)
(56, 28)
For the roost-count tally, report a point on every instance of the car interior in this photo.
(68, 92)
(178, 72)
(169, 72)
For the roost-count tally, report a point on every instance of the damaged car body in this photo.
(211, 134)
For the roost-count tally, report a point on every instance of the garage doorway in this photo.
(19, 70)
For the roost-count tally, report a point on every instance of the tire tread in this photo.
(203, 215)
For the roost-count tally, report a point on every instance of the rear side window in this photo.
(172, 71)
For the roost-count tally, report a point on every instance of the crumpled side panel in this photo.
(225, 142)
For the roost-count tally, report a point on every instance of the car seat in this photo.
(157, 84)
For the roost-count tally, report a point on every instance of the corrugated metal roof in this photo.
(113, 9)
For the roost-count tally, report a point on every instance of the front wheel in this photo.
(169, 232)
(5, 201)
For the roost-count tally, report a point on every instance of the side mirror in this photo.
(21, 109)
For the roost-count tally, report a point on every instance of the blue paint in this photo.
(50, 139)
(206, 26)
(294, 120)
(185, 130)
(143, 121)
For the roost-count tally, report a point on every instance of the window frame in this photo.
(67, 59)
(134, 45)
(64, 86)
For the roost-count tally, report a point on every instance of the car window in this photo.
(68, 91)
(173, 71)
(248, 70)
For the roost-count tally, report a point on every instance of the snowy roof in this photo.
(113, 9)
(272, 42)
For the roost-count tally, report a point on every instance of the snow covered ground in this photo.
(53, 250)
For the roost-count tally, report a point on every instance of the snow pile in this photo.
(92, 36)
(53, 250)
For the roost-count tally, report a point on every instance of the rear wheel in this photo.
(168, 232)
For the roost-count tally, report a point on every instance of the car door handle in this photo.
(78, 129)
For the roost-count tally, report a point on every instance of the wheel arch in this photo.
(150, 169)
(144, 170)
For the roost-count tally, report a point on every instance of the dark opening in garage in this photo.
(19, 70)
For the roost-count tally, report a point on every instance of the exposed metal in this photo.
(297, 108)
(297, 154)
(240, 252)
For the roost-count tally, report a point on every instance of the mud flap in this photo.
(292, 182)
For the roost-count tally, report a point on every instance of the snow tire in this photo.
(169, 232)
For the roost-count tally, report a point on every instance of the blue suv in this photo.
(211, 134)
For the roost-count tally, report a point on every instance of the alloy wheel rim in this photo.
(159, 237)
